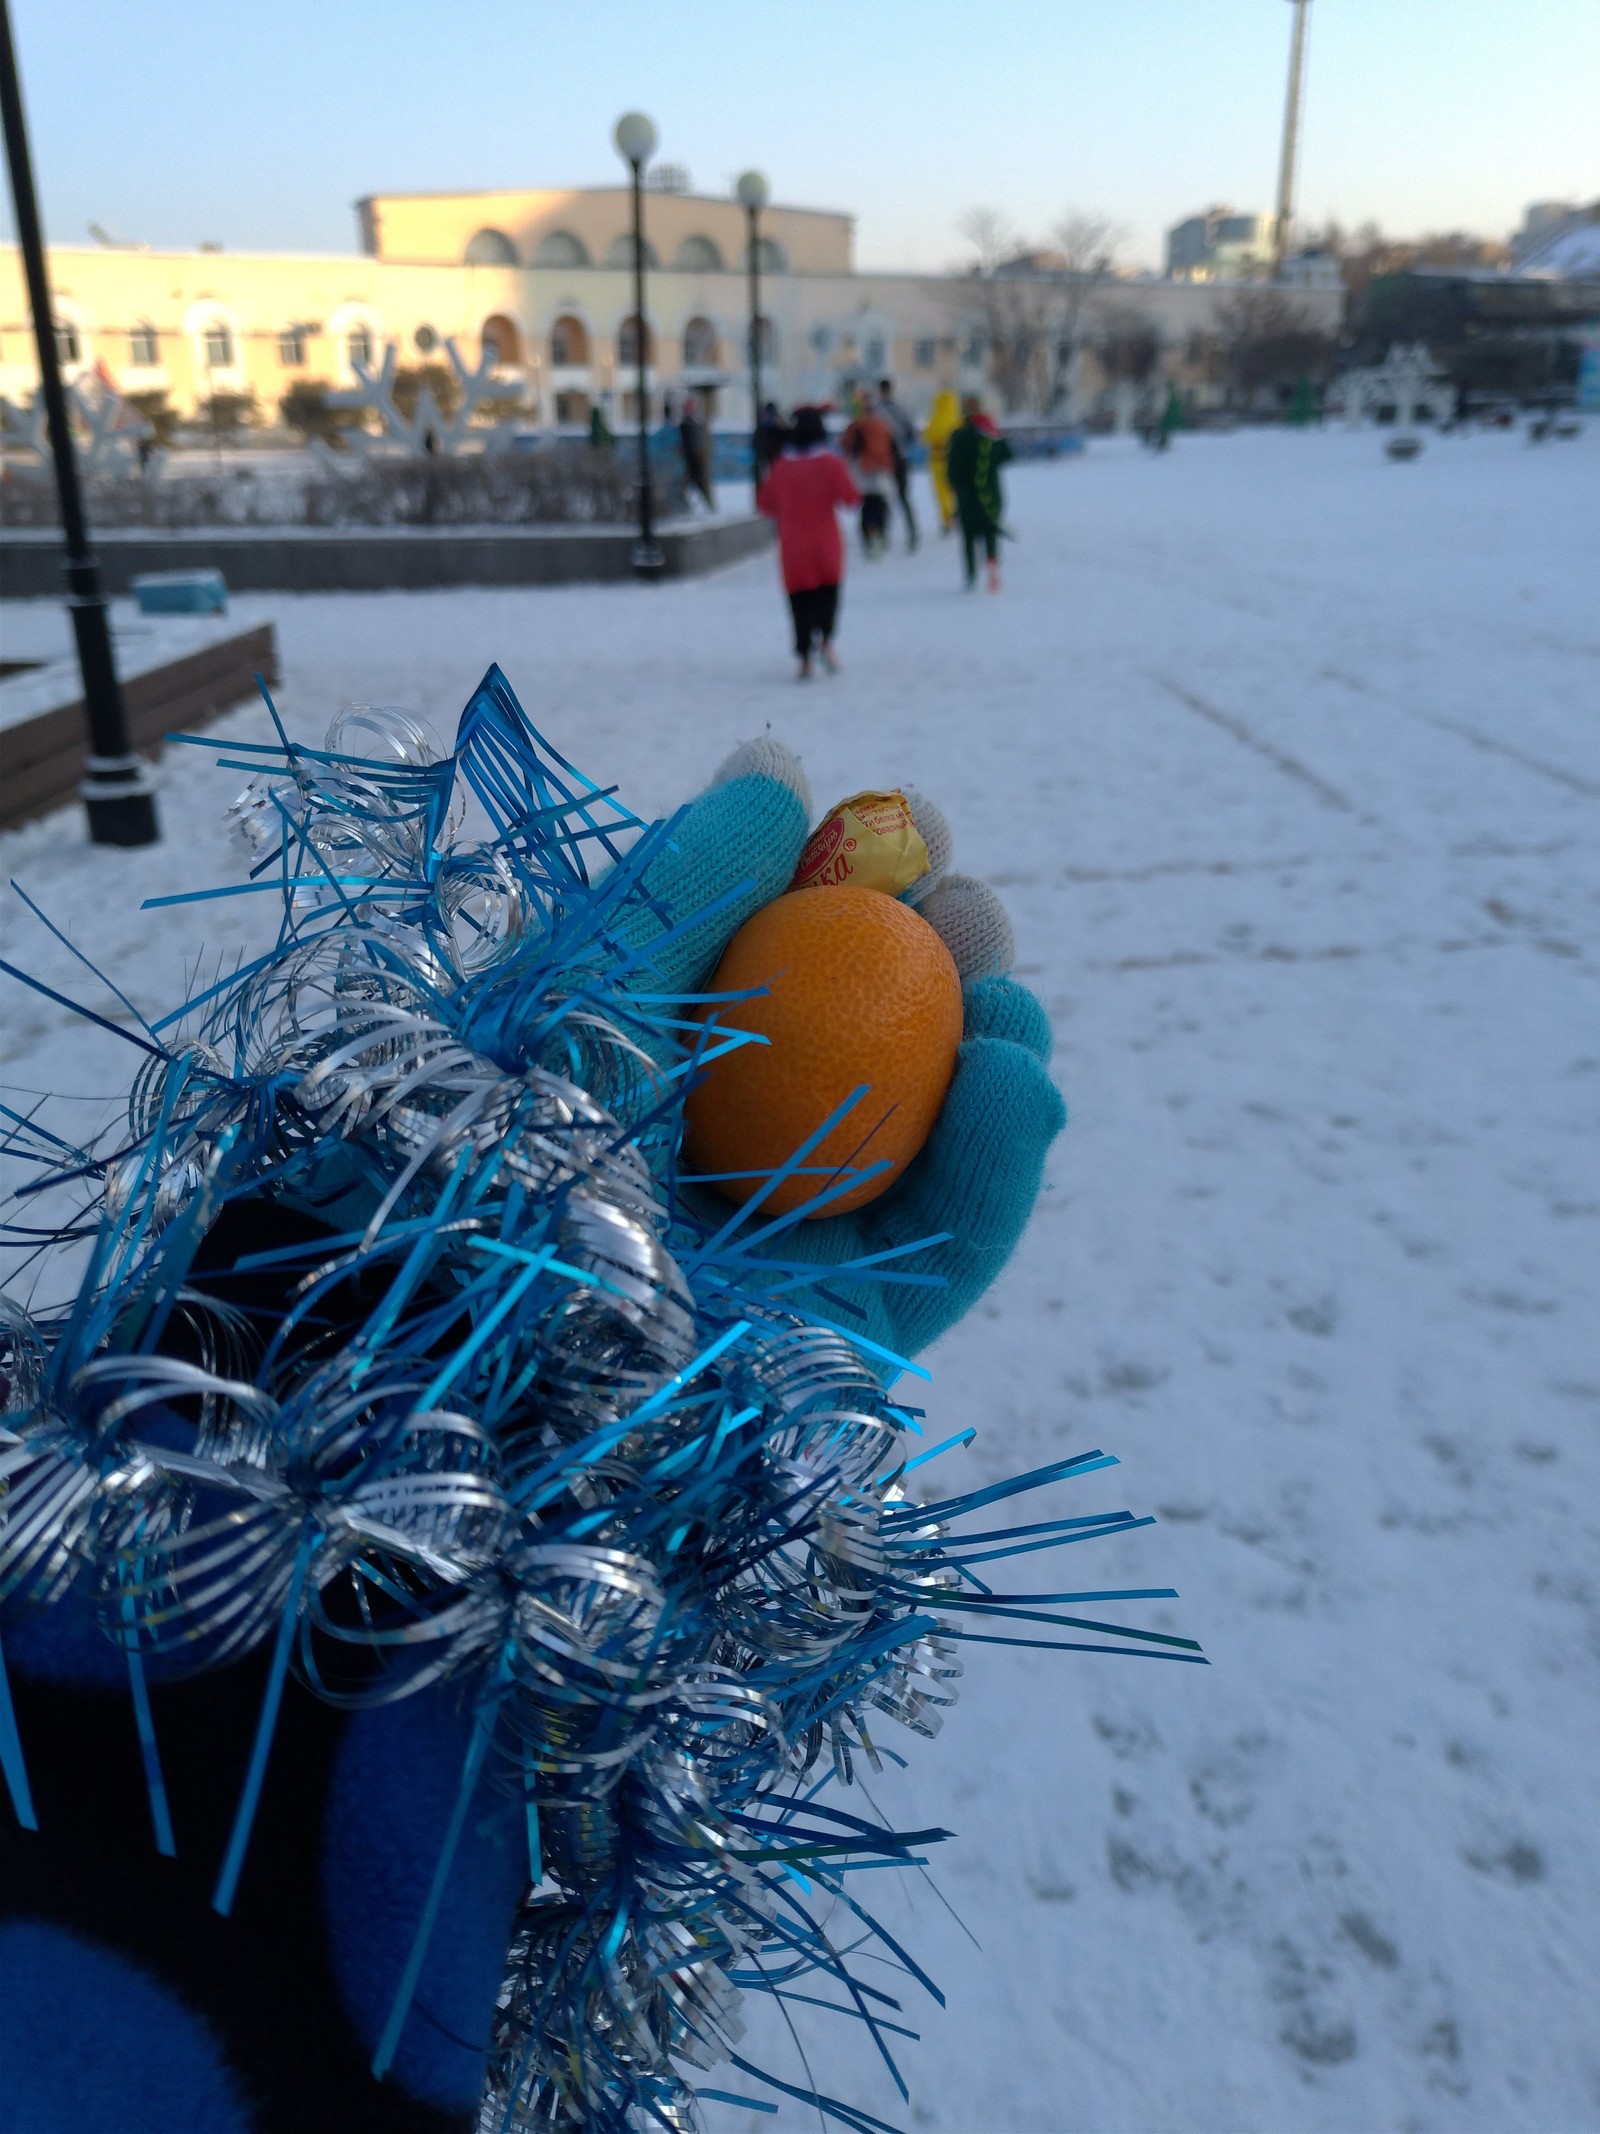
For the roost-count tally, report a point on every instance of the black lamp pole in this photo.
(116, 786)
(647, 498)
(752, 192)
(636, 140)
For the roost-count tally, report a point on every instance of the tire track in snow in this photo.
(1491, 743)
(1291, 767)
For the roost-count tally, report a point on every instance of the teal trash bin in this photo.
(181, 592)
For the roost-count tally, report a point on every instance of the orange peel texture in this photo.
(860, 991)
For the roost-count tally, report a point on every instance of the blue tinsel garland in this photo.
(526, 1420)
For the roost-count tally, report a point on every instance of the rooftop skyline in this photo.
(258, 129)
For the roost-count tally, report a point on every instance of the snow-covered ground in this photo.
(1287, 761)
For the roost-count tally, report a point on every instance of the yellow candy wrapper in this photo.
(869, 841)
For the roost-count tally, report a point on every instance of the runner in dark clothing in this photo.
(905, 434)
(772, 435)
(977, 453)
(692, 439)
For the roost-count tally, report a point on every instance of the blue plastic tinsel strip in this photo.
(962, 1437)
(535, 1849)
(452, 1370)
(72, 949)
(11, 1762)
(255, 1777)
(149, 1749)
(130, 1037)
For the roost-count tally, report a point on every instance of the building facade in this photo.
(1221, 246)
(542, 283)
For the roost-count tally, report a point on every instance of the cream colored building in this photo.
(543, 281)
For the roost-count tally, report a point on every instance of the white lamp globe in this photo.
(752, 190)
(635, 137)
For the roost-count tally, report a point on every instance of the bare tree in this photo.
(1032, 300)
(1365, 253)
(1127, 345)
(1088, 244)
(437, 377)
(1267, 341)
(1087, 247)
(1014, 319)
(992, 238)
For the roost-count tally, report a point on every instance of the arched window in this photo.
(699, 255)
(700, 344)
(490, 248)
(771, 258)
(620, 252)
(628, 341)
(358, 346)
(559, 248)
(569, 342)
(501, 341)
(144, 348)
(214, 345)
(765, 336)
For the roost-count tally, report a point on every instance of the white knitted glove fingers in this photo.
(971, 921)
(934, 831)
(767, 757)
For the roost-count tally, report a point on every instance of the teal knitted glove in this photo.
(974, 1183)
(744, 834)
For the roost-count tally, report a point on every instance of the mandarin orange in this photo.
(860, 991)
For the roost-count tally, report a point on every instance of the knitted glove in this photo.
(978, 1175)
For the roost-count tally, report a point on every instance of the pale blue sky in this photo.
(257, 122)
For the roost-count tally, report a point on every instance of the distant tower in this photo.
(1291, 134)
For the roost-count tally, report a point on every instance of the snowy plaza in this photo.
(1286, 760)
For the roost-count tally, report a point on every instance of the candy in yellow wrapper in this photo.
(870, 841)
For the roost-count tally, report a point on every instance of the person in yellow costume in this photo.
(943, 423)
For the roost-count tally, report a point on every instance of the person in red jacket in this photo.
(803, 492)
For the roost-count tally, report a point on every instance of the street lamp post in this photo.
(752, 195)
(635, 137)
(1284, 218)
(116, 786)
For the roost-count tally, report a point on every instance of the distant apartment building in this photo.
(1559, 241)
(540, 282)
(1314, 268)
(1541, 220)
(1220, 246)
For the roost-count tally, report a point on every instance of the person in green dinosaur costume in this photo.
(977, 453)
